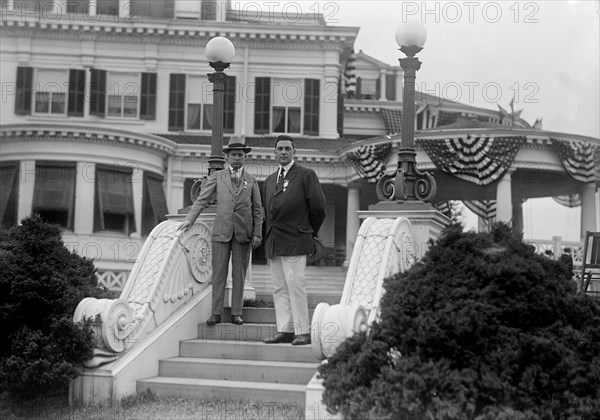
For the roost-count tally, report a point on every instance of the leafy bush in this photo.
(481, 328)
(41, 285)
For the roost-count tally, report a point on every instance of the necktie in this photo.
(281, 176)
(236, 176)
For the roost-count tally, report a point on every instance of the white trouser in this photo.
(289, 293)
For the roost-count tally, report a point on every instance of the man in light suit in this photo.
(294, 212)
(238, 224)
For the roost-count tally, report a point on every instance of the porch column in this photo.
(399, 84)
(26, 187)
(137, 189)
(352, 221)
(588, 209)
(517, 215)
(382, 86)
(84, 198)
(92, 8)
(504, 208)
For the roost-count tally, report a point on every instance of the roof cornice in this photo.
(235, 31)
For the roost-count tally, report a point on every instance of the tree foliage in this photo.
(481, 328)
(42, 283)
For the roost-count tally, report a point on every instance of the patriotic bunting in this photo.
(369, 161)
(577, 158)
(392, 119)
(350, 76)
(444, 207)
(573, 200)
(481, 160)
(485, 209)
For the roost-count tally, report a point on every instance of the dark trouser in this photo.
(240, 254)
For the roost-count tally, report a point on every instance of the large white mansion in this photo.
(106, 121)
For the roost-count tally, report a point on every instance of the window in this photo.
(103, 7)
(9, 192)
(287, 101)
(191, 101)
(50, 86)
(113, 202)
(53, 91)
(199, 103)
(286, 106)
(54, 192)
(186, 9)
(154, 206)
(123, 95)
(367, 88)
(208, 11)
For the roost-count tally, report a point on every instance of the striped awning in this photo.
(481, 160)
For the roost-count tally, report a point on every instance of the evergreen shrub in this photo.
(481, 328)
(42, 283)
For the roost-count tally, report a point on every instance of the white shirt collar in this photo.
(287, 167)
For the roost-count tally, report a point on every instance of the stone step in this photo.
(235, 333)
(289, 397)
(247, 350)
(238, 370)
(257, 315)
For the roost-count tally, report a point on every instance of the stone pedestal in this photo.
(427, 222)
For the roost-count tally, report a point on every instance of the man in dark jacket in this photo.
(294, 211)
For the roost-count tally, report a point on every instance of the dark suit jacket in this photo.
(293, 212)
(239, 212)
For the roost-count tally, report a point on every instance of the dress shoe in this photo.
(281, 337)
(301, 340)
(237, 320)
(214, 319)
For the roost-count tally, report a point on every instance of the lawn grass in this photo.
(147, 406)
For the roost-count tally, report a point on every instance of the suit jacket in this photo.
(294, 212)
(239, 212)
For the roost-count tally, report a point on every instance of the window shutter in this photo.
(98, 93)
(340, 108)
(9, 178)
(155, 203)
(262, 102)
(229, 105)
(390, 87)
(76, 92)
(24, 88)
(148, 97)
(311, 106)
(176, 102)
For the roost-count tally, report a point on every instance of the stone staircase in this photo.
(323, 284)
(230, 361)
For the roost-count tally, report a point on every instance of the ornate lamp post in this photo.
(409, 183)
(220, 52)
